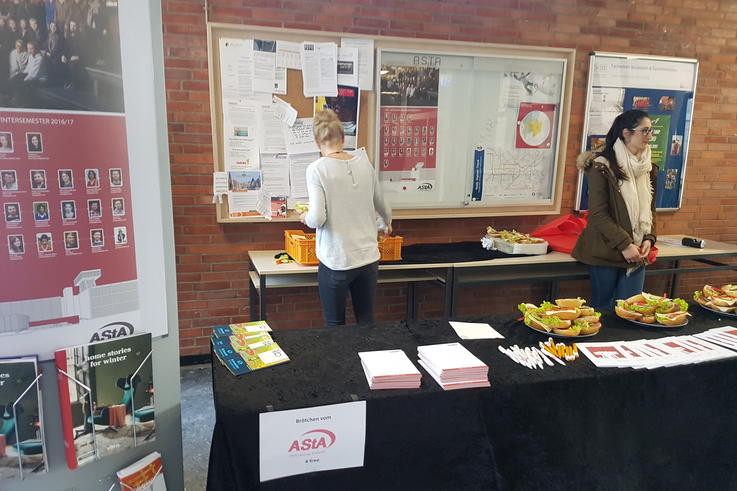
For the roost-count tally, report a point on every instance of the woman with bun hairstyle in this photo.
(621, 223)
(345, 198)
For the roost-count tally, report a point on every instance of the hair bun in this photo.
(325, 116)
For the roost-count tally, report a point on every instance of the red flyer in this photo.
(535, 123)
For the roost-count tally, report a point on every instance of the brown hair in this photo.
(327, 127)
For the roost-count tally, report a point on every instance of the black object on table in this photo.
(572, 427)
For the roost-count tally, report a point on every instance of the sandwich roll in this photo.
(571, 303)
(627, 314)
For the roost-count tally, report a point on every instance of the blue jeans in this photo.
(334, 286)
(609, 284)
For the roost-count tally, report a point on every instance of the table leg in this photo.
(262, 297)
(674, 279)
(252, 292)
(553, 290)
(450, 293)
(411, 301)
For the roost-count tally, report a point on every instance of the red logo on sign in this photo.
(313, 440)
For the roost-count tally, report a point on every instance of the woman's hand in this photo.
(645, 248)
(303, 217)
(632, 253)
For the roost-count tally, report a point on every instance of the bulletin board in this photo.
(498, 113)
(663, 87)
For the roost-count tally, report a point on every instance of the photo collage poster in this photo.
(68, 241)
(662, 88)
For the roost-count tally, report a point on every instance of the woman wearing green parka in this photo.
(621, 223)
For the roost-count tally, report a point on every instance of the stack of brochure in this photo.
(246, 347)
(146, 474)
(453, 366)
(389, 369)
(664, 352)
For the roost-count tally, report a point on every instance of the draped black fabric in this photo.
(456, 252)
(572, 427)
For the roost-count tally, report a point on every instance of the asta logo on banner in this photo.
(425, 186)
(114, 330)
(317, 439)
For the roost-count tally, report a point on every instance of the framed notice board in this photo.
(662, 87)
(454, 129)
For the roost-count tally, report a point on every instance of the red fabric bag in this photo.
(562, 233)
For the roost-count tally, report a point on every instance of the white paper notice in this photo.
(319, 69)
(365, 49)
(236, 68)
(298, 172)
(284, 111)
(299, 137)
(287, 55)
(219, 186)
(240, 143)
(264, 65)
(280, 86)
(271, 130)
(275, 171)
(348, 66)
(472, 330)
(312, 439)
(242, 204)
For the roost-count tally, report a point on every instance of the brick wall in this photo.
(212, 258)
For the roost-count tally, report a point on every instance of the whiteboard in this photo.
(467, 130)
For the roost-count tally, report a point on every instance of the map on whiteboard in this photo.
(517, 174)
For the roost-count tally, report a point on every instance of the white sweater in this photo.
(345, 197)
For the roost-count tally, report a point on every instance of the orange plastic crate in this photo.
(303, 250)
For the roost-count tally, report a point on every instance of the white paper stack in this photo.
(453, 366)
(663, 352)
(389, 369)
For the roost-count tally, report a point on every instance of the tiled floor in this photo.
(198, 419)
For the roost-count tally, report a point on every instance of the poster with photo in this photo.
(662, 87)
(408, 123)
(71, 254)
(346, 105)
(535, 123)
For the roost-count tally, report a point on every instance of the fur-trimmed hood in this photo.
(586, 160)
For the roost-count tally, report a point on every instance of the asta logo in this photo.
(425, 186)
(113, 330)
(314, 442)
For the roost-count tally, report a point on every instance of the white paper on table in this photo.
(311, 439)
(284, 111)
(264, 65)
(319, 69)
(287, 55)
(275, 170)
(387, 363)
(280, 85)
(219, 186)
(348, 66)
(240, 131)
(365, 49)
(271, 132)
(236, 68)
(299, 138)
(603, 355)
(242, 203)
(473, 330)
(298, 172)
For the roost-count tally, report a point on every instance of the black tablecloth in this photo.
(572, 427)
(455, 252)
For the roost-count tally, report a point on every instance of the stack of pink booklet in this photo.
(389, 369)
(453, 366)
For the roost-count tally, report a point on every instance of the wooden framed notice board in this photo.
(454, 129)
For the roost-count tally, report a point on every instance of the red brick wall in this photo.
(212, 258)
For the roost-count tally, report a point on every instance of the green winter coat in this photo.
(609, 230)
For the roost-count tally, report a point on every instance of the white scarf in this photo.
(637, 190)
